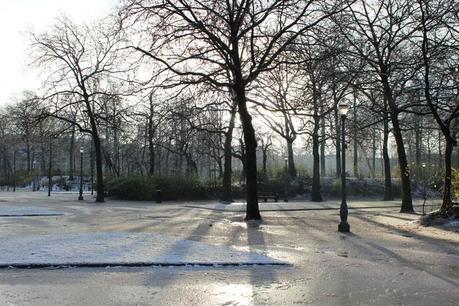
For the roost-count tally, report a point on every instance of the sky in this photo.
(19, 16)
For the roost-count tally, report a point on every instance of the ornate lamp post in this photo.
(80, 198)
(343, 226)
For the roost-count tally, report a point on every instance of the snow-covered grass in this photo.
(119, 248)
(18, 211)
(454, 224)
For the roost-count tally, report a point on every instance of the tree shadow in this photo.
(259, 276)
(406, 233)
(363, 243)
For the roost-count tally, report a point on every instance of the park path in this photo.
(387, 259)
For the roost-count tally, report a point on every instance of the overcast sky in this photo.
(17, 16)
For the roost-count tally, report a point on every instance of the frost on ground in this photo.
(119, 248)
(17, 211)
(454, 224)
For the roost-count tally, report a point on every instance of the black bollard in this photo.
(159, 196)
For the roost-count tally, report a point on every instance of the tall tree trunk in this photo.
(315, 193)
(322, 147)
(440, 154)
(151, 148)
(42, 150)
(407, 203)
(151, 132)
(337, 144)
(100, 197)
(116, 149)
(227, 147)
(265, 163)
(418, 140)
(447, 202)
(445, 129)
(71, 153)
(250, 144)
(388, 192)
(29, 156)
(373, 154)
(429, 149)
(191, 166)
(99, 174)
(290, 157)
(356, 157)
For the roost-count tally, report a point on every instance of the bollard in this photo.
(159, 196)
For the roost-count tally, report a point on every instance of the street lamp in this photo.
(80, 198)
(343, 226)
(286, 163)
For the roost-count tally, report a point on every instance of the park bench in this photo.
(265, 195)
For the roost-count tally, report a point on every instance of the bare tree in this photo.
(202, 40)
(441, 75)
(83, 63)
(379, 32)
(277, 90)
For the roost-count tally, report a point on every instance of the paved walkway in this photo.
(387, 259)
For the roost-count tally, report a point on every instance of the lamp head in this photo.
(343, 108)
(81, 150)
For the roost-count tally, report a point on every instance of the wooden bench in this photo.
(268, 195)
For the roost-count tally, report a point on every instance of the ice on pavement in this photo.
(13, 211)
(118, 248)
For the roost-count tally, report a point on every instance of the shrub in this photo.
(358, 187)
(172, 187)
(130, 188)
(181, 188)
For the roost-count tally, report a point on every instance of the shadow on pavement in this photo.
(408, 263)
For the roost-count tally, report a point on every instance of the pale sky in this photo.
(17, 16)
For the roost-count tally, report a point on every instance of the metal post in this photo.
(159, 196)
(343, 226)
(81, 175)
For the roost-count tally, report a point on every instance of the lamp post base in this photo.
(80, 198)
(344, 227)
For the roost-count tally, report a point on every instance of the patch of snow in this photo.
(452, 224)
(119, 248)
(18, 211)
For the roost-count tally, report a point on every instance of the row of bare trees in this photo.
(207, 81)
